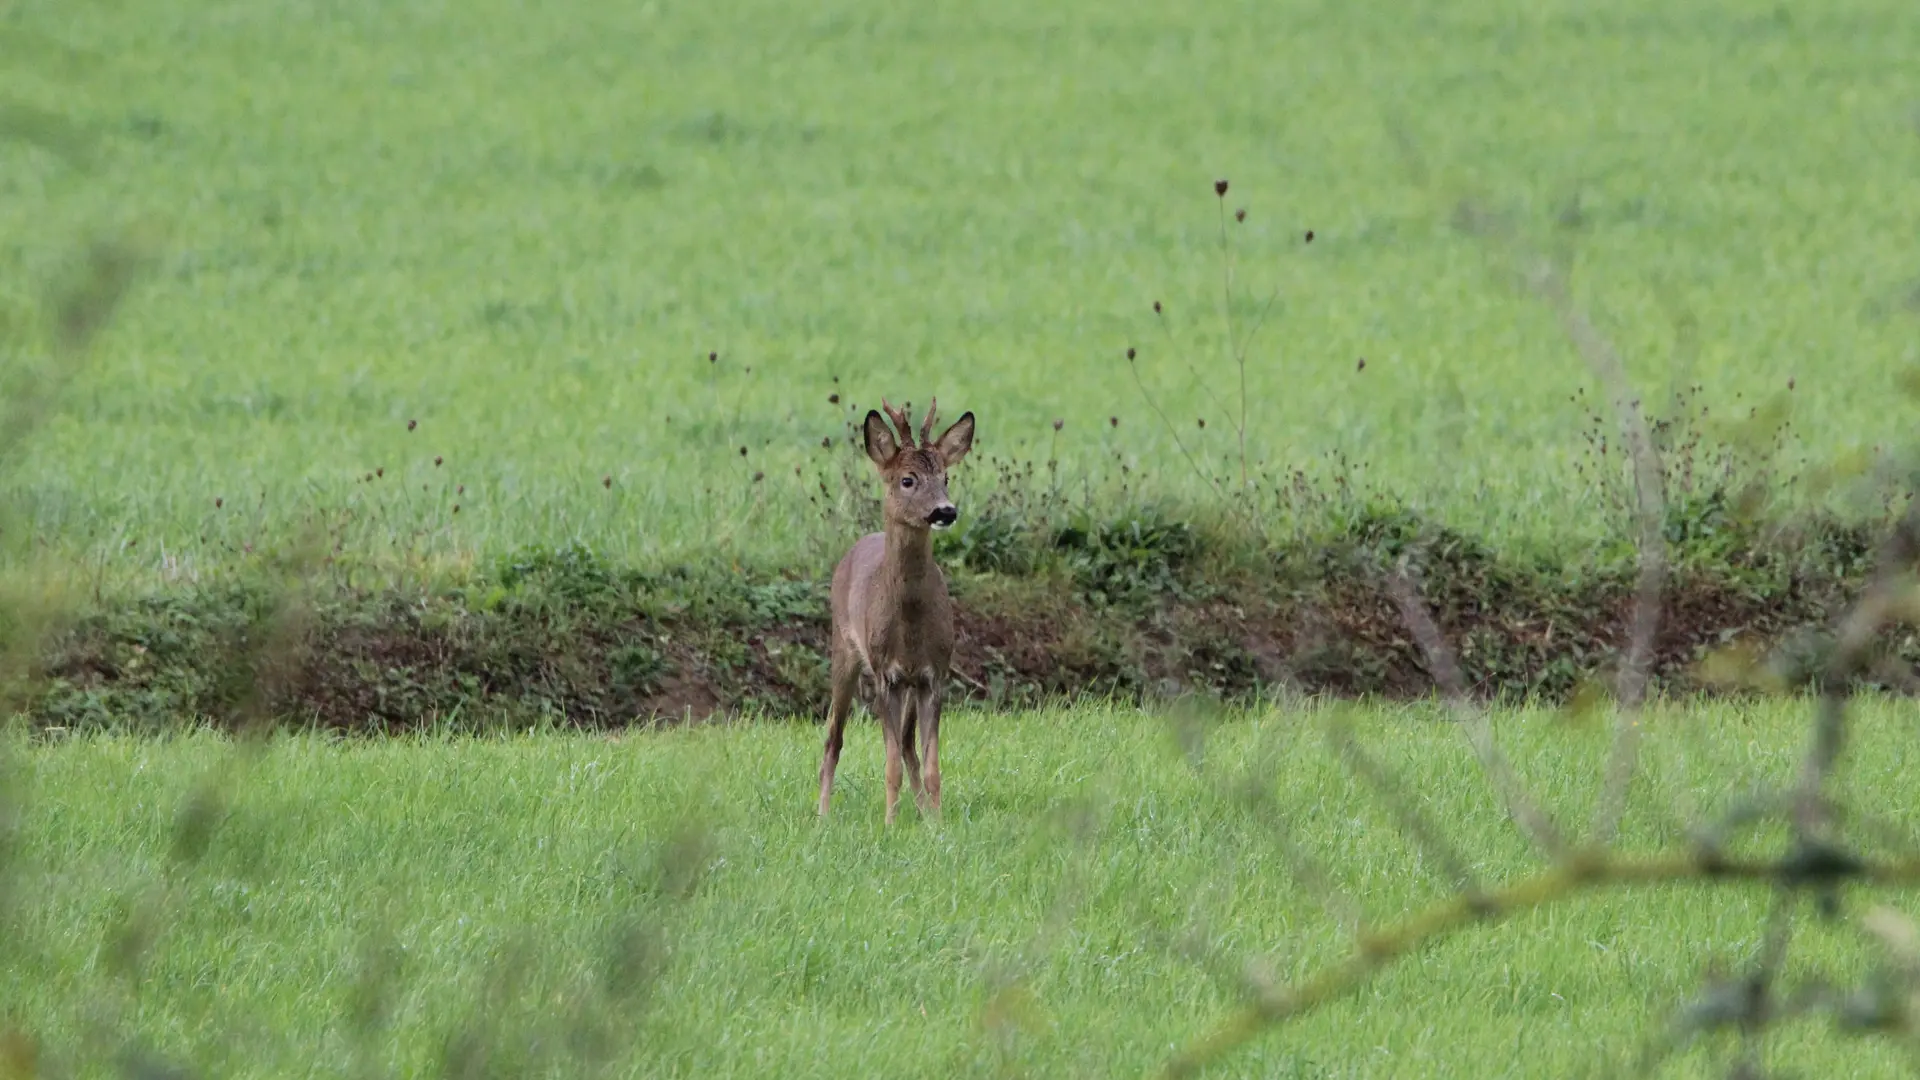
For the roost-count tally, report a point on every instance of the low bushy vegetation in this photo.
(1146, 604)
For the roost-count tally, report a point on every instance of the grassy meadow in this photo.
(667, 904)
(528, 230)
(447, 282)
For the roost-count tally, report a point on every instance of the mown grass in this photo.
(528, 229)
(1095, 895)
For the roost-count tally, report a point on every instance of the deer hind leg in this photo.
(928, 710)
(846, 678)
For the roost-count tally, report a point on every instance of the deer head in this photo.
(916, 476)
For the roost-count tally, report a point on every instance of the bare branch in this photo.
(1892, 577)
(1339, 906)
(1393, 792)
(1583, 872)
(1757, 806)
(1525, 813)
(1767, 971)
(1650, 516)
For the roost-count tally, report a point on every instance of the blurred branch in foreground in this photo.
(1816, 863)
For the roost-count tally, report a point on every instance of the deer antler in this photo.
(900, 421)
(926, 424)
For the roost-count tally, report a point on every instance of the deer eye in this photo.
(906, 481)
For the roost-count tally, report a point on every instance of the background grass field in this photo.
(528, 229)
(454, 280)
(1092, 898)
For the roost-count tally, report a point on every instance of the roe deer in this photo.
(892, 619)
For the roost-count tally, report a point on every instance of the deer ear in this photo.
(881, 446)
(957, 440)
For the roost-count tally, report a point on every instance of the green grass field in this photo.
(528, 229)
(445, 280)
(1089, 901)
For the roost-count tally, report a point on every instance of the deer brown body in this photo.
(892, 619)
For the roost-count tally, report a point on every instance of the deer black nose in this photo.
(943, 516)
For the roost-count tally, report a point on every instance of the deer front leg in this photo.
(892, 705)
(909, 753)
(927, 709)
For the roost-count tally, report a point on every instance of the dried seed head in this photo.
(1362, 365)
(411, 424)
(713, 358)
(759, 476)
(1203, 421)
(1240, 214)
(833, 399)
(456, 508)
(1156, 307)
(218, 503)
(460, 490)
(1129, 352)
(1789, 384)
(1058, 424)
(1220, 187)
(1309, 236)
(607, 481)
(826, 442)
(382, 471)
(436, 461)
(743, 451)
(1113, 421)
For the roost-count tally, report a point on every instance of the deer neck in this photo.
(909, 560)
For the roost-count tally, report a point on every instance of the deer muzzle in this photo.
(943, 516)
